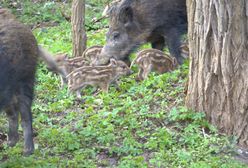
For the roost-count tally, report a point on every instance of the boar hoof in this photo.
(13, 140)
(179, 61)
(28, 151)
(80, 101)
(138, 79)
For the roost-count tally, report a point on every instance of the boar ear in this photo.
(67, 56)
(113, 61)
(126, 14)
(64, 57)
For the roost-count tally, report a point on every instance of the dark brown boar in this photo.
(134, 22)
(18, 58)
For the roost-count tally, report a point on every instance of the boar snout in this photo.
(102, 59)
(129, 72)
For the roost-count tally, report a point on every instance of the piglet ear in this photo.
(113, 62)
(126, 14)
(66, 56)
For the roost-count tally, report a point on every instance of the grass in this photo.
(140, 125)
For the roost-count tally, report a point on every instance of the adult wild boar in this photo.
(134, 22)
(19, 53)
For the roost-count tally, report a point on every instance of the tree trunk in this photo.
(218, 78)
(79, 37)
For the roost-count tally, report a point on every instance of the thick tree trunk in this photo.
(79, 37)
(218, 78)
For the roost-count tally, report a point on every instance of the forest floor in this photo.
(141, 124)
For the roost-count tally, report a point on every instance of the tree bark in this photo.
(218, 78)
(79, 37)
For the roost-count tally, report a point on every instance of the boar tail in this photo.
(50, 62)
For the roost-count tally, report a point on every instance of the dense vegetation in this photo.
(138, 125)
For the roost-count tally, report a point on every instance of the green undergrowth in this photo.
(35, 12)
(43, 13)
(60, 41)
(140, 124)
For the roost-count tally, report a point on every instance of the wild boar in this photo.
(91, 54)
(109, 7)
(184, 48)
(134, 22)
(100, 76)
(153, 60)
(19, 53)
(69, 64)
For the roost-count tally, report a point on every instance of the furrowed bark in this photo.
(218, 78)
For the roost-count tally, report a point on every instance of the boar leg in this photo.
(139, 76)
(159, 43)
(146, 72)
(25, 102)
(63, 81)
(116, 83)
(173, 37)
(12, 113)
(104, 87)
(127, 61)
(78, 93)
(146, 68)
